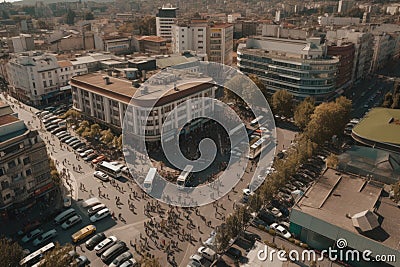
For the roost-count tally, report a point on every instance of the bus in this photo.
(148, 181)
(258, 146)
(256, 120)
(110, 169)
(184, 177)
(36, 256)
(83, 233)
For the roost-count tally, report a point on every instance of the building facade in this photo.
(345, 53)
(154, 45)
(299, 66)
(165, 19)
(24, 165)
(33, 77)
(193, 36)
(106, 101)
(221, 44)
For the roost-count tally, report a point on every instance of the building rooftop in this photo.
(336, 197)
(226, 25)
(64, 63)
(7, 119)
(152, 38)
(161, 87)
(380, 125)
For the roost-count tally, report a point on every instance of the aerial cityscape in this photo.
(199, 133)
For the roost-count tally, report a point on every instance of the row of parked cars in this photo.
(275, 214)
(111, 250)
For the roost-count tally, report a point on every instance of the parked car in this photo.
(105, 244)
(197, 258)
(93, 210)
(71, 222)
(120, 259)
(63, 139)
(44, 237)
(102, 176)
(129, 263)
(95, 240)
(280, 230)
(86, 152)
(266, 217)
(99, 159)
(274, 211)
(74, 142)
(82, 149)
(81, 261)
(234, 253)
(67, 201)
(77, 145)
(90, 157)
(72, 139)
(101, 214)
(31, 235)
(257, 222)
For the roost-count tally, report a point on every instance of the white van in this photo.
(208, 253)
(64, 215)
(90, 202)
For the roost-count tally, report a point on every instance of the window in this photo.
(4, 185)
(43, 76)
(51, 83)
(27, 160)
(44, 84)
(11, 164)
(49, 74)
(28, 172)
(35, 92)
(1, 171)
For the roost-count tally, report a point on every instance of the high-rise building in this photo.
(344, 6)
(193, 36)
(301, 67)
(165, 19)
(24, 165)
(221, 44)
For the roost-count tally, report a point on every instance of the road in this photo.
(133, 227)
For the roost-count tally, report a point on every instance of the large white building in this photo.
(221, 44)
(33, 77)
(105, 99)
(301, 67)
(165, 19)
(190, 37)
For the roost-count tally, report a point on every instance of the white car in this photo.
(101, 214)
(195, 260)
(280, 230)
(247, 192)
(87, 152)
(67, 201)
(31, 235)
(105, 242)
(101, 175)
(71, 222)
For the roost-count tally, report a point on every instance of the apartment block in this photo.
(301, 67)
(191, 36)
(345, 53)
(221, 44)
(24, 165)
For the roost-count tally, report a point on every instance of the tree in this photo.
(70, 17)
(95, 130)
(56, 257)
(106, 136)
(255, 202)
(10, 253)
(388, 100)
(222, 238)
(396, 101)
(147, 25)
(303, 112)
(282, 103)
(89, 16)
(83, 127)
(146, 261)
(259, 84)
(328, 119)
(396, 191)
(55, 176)
(332, 161)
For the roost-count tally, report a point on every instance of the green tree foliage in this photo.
(89, 16)
(146, 261)
(107, 136)
(95, 130)
(10, 253)
(83, 127)
(282, 103)
(222, 238)
(388, 100)
(55, 176)
(303, 112)
(70, 17)
(328, 119)
(58, 257)
(332, 161)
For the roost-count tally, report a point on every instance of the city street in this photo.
(131, 228)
